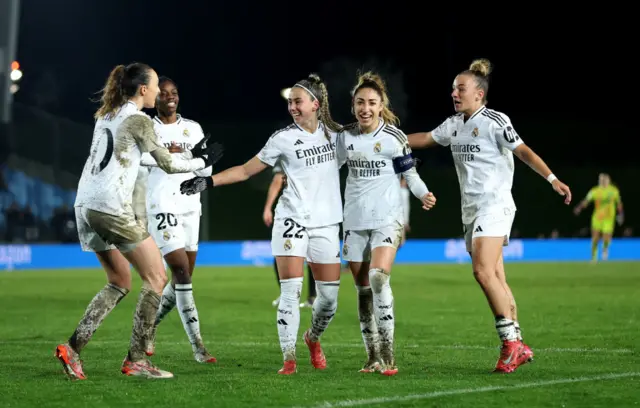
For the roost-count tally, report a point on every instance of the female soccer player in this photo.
(377, 155)
(174, 220)
(606, 200)
(483, 142)
(307, 218)
(106, 220)
(273, 194)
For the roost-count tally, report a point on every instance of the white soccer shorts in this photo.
(357, 245)
(175, 231)
(318, 245)
(98, 231)
(496, 224)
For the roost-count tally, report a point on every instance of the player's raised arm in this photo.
(421, 140)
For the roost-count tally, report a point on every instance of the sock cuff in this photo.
(363, 288)
(292, 280)
(184, 287)
(328, 283)
(122, 291)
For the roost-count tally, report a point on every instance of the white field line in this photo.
(464, 391)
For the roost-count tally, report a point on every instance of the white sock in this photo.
(289, 316)
(324, 308)
(188, 313)
(368, 325)
(167, 303)
(518, 331)
(383, 311)
(506, 329)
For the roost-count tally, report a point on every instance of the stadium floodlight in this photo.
(15, 75)
(285, 93)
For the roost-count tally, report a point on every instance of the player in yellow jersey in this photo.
(606, 200)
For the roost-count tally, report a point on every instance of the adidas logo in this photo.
(388, 240)
(298, 142)
(478, 229)
(350, 147)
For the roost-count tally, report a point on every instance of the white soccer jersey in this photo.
(482, 152)
(163, 190)
(312, 194)
(406, 204)
(110, 172)
(372, 196)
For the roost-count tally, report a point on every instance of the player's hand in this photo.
(199, 149)
(563, 190)
(428, 201)
(196, 185)
(577, 210)
(418, 163)
(212, 154)
(174, 148)
(267, 217)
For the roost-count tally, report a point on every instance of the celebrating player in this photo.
(105, 218)
(273, 193)
(377, 155)
(483, 142)
(307, 217)
(606, 199)
(174, 220)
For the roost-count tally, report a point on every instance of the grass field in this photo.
(582, 321)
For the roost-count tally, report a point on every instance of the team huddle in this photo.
(139, 196)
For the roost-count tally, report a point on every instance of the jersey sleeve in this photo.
(505, 134)
(143, 132)
(271, 151)
(277, 168)
(442, 134)
(341, 149)
(591, 194)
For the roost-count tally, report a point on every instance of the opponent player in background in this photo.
(483, 142)
(106, 220)
(606, 201)
(377, 155)
(307, 217)
(174, 219)
(273, 194)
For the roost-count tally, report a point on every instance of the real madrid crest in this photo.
(377, 147)
(287, 245)
(185, 133)
(345, 249)
(166, 236)
(475, 132)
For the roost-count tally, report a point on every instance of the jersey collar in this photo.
(177, 122)
(476, 113)
(316, 131)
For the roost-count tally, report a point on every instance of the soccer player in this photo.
(377, 155)
(482, 143)
(606, 200)
(174, 220)
(273, 194)
(307, 216)
(105, 218)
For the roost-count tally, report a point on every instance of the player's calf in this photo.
(384, 313)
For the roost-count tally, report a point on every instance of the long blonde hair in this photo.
(318, 91)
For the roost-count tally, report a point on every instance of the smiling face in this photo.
(168, 99)
(302, 107)
(367, 107)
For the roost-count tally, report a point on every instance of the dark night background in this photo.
(566, 79)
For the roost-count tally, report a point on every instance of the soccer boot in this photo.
(318, 359)
(71, 362)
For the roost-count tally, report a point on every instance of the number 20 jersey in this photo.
(110, 172)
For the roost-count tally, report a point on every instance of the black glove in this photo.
(212, 154)
(200, 147)
(196, 185)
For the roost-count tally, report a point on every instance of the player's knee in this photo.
(328, 292)
(483, 273)
(378, 279)
(180, 274)
(121, 281)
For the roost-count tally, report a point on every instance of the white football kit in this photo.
(373, 209)
(104, 200)
(309, 211)
(482, 153)
(174, 218)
